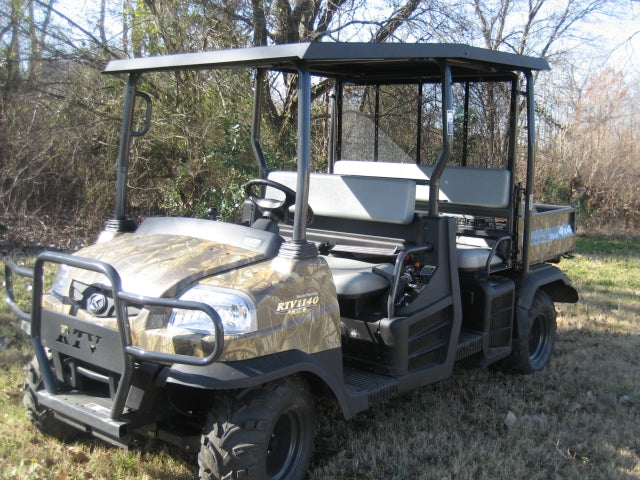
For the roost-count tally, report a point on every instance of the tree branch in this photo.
(397, 19)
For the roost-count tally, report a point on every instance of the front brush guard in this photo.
(43, 325)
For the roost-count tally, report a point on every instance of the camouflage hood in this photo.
(160, 265)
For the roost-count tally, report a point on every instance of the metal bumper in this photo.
(80, 340)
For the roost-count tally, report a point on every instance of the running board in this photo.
(376, 388)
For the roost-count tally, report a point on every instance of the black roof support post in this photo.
(120, 223)
(255, 123)
(447, 139)
(299, 247)
(531, 165)
(304, 149)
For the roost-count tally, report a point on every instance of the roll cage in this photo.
(361, 63)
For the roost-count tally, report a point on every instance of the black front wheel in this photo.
(262, 433)
(43, 418)
(532, 350)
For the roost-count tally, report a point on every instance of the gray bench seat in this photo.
(383, 200)
(377, 199)
(474, 187)
(354, 278)
(473, 254)
(386, 200)
(478, 187)
(475, 258)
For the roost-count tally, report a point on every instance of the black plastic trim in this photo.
(326, 365)
(549, 278)
(552, 279)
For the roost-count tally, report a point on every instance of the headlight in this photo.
(236, 310)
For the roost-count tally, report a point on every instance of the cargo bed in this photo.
(552, 232)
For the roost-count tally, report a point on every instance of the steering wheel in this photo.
(271, 207)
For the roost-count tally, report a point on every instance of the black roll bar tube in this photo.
(419, 124)
(531, 163)
(447, 138)
(376, 124)
(9, 297)
(333, 112)
(121, 316)
(120, 299)
(513, 129)
(124, 147)
(337, 130)
(465, 123)
(255, 124)
(304, 149)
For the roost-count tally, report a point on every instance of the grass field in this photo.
(578, 419)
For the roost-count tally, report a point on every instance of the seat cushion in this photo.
(355, 277)
(474, 258)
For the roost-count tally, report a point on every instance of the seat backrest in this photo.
(386, 200)
(478, 187)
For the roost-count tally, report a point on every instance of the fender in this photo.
(326, 366)
(549, 278)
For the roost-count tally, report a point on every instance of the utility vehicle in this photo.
(414, 244)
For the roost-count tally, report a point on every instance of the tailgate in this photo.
(552, 232)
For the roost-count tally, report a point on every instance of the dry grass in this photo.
(578, 419)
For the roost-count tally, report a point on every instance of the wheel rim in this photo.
(283, 452)
(538, 339)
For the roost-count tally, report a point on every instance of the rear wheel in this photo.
(532, 350)
(264, 433)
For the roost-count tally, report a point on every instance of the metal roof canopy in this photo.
(348, 61)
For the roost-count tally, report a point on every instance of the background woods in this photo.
(59, 117)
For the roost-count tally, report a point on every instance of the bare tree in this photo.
(592, 157)
(53, 100)
(43, 74)
(284, 21)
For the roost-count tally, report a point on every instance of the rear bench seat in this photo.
(386, 200)
(475, 187)
(491, 186)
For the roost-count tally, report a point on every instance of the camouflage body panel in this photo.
(296, 302)
(297, 309)
(162, 265)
